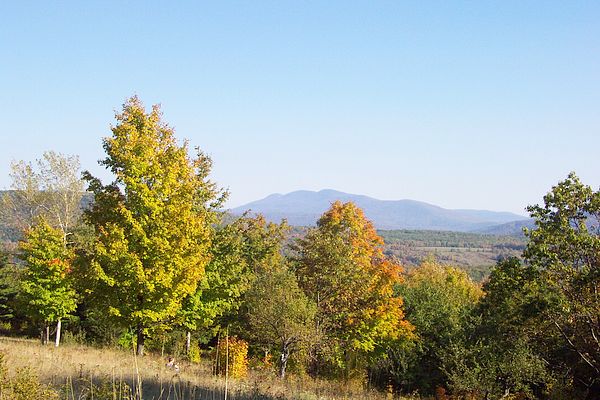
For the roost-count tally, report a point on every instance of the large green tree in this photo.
(438, 300)
(153, 223)
(240, 249)
(342, 268)
(505, 347)
(46, 285)
(280, 315)
(565, 248)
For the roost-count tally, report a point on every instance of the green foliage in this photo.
(238, 250)
(279, 313)
(502, 352)
(153, 224)
(565, 248)
(438, 301)
(9, 286)
(46, 286)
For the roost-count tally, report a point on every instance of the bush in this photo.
(69, 337)
(238, 357)
(24, 385)
(126, 340)
(194, 353)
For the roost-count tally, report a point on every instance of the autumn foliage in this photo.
(232, 357)
(157, 259)
(343, 269)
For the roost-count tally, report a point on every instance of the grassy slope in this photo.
(74, 366)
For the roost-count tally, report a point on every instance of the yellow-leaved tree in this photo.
(153, 223)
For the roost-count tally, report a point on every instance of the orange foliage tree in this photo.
(342, 268)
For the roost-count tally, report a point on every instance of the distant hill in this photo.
(514, 228)
(303, 208)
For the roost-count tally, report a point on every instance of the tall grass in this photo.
(79, 372)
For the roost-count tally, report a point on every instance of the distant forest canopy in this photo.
(154, 264)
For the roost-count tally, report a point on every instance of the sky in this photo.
(481, 105)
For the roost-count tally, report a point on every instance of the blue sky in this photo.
(462, 104)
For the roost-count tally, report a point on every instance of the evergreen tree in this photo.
(9, 284)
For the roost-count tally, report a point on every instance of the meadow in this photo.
(78, 372)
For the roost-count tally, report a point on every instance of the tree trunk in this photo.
(57, 342)
(285, 355)
(46, 334)
(140, 340)
(188, 342)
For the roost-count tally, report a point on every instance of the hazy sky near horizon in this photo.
(481, 105)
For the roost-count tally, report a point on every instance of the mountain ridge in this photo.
(303, 208)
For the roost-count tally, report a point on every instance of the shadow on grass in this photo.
(184, 390)
(156, 389)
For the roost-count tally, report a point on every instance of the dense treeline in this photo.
(451, 239)
(154, 265)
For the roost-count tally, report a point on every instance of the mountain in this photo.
(303, 208)
(513, 228)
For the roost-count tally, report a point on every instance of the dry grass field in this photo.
(80, 372)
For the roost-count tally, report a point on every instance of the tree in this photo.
(239, 249)
(279, 313)
(565, 248)
(342, 268)
(505, 348)
(46, 287)
(51, 189)
(438, 300)
(153, 224)
(9, 285)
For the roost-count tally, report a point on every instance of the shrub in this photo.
(74, 337)
(238, 357)
(24, 385)
(194, 353)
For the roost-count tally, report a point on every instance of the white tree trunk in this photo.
(57, 342)
(188, 342)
